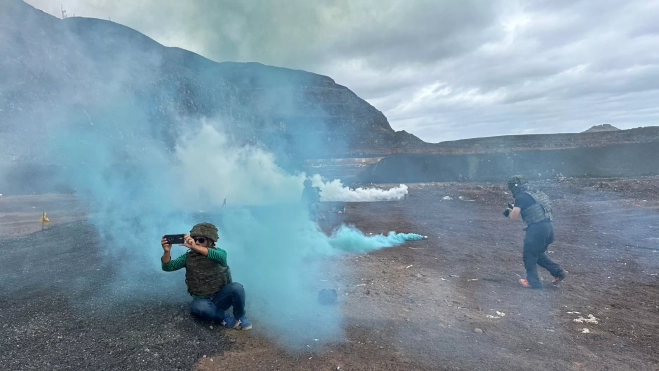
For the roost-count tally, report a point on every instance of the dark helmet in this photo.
(307, 182)
(207, 230)
(517, 183)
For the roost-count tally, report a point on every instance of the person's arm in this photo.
(218, 255)
(190, 244)
(166, 247)
(515, 213)
(173, 265)
(167, 264)
(521, 201)
(212, 253)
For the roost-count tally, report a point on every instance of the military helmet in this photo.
(307, 182)
(517, 183)
(207, 230)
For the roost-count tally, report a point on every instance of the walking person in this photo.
(535, 210)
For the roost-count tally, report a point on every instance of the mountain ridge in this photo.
(57, 68)
(78, 69)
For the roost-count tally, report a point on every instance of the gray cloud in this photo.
(442, 70)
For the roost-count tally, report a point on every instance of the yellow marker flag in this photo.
(44, 220)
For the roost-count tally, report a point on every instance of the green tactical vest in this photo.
(538, 212)
(204, 276)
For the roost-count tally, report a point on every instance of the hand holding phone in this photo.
(165, 245)
(174, 238)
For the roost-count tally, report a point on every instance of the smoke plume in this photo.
(137, 188)
(128, 126)
(335, 191)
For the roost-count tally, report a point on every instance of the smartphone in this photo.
(173, 239)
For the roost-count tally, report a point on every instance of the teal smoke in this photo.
(350, 239)
(139, 191)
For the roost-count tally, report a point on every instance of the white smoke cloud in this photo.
(335, 191)
(215, 169)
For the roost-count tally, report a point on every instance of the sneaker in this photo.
(561, 276)
(526, 284)
(230, 322)
(244, 324)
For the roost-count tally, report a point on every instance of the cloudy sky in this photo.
(440, 69)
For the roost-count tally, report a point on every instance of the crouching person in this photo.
(208, 278)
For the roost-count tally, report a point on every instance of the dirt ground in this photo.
(452, 302)
(19, 215)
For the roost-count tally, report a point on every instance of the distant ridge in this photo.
(603, 127)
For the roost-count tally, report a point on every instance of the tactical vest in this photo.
(204, 276)
(539, 211)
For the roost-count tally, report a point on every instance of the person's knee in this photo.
(533, 246)
(202, 308)
(235, 287)
(529, 252)
(529, 257)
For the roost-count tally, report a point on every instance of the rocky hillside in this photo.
(508, 143)
(603, 127)
(90, 74)
(55, 71)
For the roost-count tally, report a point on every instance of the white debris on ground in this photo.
(461, 198)
(591, 319)
(499, 315)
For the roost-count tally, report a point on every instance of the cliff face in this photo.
(54, 71)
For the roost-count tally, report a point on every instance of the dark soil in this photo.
(451, 302)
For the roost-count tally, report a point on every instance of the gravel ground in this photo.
(58, 310)
(451, 302)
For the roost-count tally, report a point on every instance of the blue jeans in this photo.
(536, 242)
(213, 308)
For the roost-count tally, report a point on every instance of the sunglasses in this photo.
(199, 239)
